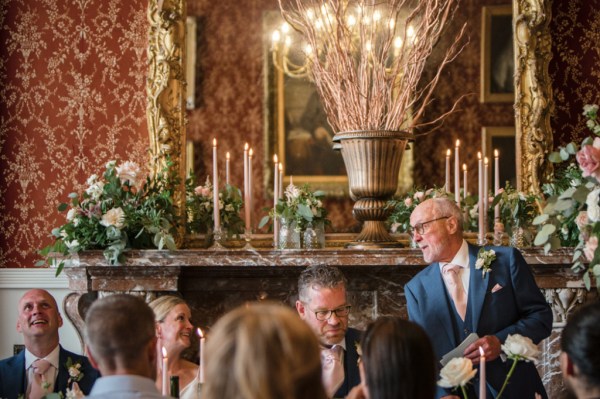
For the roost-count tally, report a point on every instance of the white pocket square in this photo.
(496, 288)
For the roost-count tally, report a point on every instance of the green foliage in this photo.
(120, 210)
(399, 220)
(517, 209)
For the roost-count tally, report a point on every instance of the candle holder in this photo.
(217, 239)
(248, 239)
(481, 241)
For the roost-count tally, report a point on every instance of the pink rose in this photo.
(589, 159)
(202, 191)
(419, 196)
(582, 220)
(408, 202)
(590, 247)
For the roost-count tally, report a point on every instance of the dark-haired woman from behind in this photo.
(397, 362)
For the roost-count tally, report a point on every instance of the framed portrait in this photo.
(503, 139)
(497, 54)
(297, 128)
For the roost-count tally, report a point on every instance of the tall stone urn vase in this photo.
(372, 160)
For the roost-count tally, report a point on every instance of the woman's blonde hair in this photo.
(262, 351)
(163, 305)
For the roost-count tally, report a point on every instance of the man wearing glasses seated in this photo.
(323, 304)
(466, 289)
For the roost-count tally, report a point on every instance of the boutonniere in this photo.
(484, 260)
(74, 369)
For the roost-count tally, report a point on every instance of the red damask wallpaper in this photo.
(72, 97)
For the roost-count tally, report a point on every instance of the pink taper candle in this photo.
(250, 154)
(482, 383)
(227, 157)
(216, 214)
(246, 189)
(447, 185)
(496, 182)
(480, 195)
(275, 198)
(457, 173)
(201, 356)
(165, 372)
(486, 190)
(280, 179)
(466, 193)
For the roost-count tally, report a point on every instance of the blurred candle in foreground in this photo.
(482, 383)
(165, 374)
(457, 173)
(201, 356)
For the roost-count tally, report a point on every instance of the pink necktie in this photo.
(455, 286)
(40, 385)
(333, 369)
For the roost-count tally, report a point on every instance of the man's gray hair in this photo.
(319, 276)
(120, 327)
(443, 206)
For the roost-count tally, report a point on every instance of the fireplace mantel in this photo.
(214, 281)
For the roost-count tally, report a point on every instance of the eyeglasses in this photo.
(421, 227)
(323, 315)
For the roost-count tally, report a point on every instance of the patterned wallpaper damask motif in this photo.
(72, 97)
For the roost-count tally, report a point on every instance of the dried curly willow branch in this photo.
(380, 88)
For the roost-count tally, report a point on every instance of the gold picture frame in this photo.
(503, 139)
(497, 54)
(297, 129)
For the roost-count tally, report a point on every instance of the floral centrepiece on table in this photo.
(576, 203)
(199, 203)
(124, 208)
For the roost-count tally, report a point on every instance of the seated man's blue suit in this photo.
(13, 376)
(517, 308)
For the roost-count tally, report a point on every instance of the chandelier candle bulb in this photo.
(246, 189)
(447, 185)
(202, 340)
(216, 214)
(457, 173)
(227, 157)
(165, 373)
(466, 193)
(496, 182)
(480, 195)
(482, 383)
(486, 189)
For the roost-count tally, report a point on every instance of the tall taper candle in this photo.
(246, 189)
(496, 182)
(482, 382)
(227, 156)
(202, 364)
(216, 214)
(465, 192)
(165, 372)
(280, 179)
(275, 198)
(486, 191)
(457, 173)
(250, 154)
(447, 185)
(480, 195)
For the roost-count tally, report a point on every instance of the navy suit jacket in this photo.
(13, 376)
(518, 308)
(351, 373)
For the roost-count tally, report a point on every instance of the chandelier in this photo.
(368, 28)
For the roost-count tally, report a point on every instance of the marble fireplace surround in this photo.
(214, 282)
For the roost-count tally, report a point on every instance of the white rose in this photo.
(74, 371)
(593, 210)
(479, 263)
(71, 214)
(319, 204)
(292, 192)
(522, 347)
(457, 372)
(92, 179)
(229, 208)
(72, 244)
(95, 190)
(129, 172)
(76, 222)
(114, 217)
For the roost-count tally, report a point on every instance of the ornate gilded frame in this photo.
(533, 92)
(165, 90)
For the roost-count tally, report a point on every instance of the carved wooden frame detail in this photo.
(533, 92)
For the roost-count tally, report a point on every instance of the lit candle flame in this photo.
(274, 158)
(199, 331)
(280, 167)
(485, 160)
(164, 352)
(458, 143)
(465, 167)
(496, 153)
(246, 147)
(478, 155)
(448, 152)
(227, 155)
(250, 152)
(214, 142)
(481, 352)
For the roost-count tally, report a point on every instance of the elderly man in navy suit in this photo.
(44, 366)
(453, 298)
(323, 304)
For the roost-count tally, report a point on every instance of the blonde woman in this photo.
(174, 331)
(262, 351)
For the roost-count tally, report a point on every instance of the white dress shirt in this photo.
(51, 374)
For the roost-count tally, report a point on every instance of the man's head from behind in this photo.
(580, 357)
(39, 318)
(120, 336)
(323, 303)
